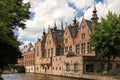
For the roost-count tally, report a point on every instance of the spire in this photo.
(62, 24)
(94, 7)
(54, 23)
(74, 21)
(83, 15)
(55, 27)
(94, 15)
(66, 24)
(44, 32)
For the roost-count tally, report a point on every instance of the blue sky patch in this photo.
(71, 5)
(32, 15)
(26, 39)
(99, 1)
(79, 13)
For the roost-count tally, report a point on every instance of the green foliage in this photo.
(106, 37)
(13, 14)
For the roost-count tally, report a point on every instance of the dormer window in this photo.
(49, 42)
(66, 41)
(83, 27)
(70, 48)
(83, 36)
(66, 33)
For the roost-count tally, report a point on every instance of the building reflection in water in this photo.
(31, 76)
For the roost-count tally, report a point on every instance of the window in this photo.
(57, 51)
(70, 48)
(110, 66)
(49, 42)
(48, 52)
(83, 48)
(88, 47)
(89, 67)
(51, 52)
(45, 53)
(67, 67)
(66, 41)
(77, 49)
(59, 68)
(117, 66)
(66, 49)
(61, 51)
(37, 68)
(48, 67)
(60, 59)
(83, 27)
(66, 33)
(37, 51)
(101, 66)
(75, 67)
(83, 36)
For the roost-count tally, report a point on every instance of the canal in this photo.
(28, 76)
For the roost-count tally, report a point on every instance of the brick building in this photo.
(28, 54)
(67, 51)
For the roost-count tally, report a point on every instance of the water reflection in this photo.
(33, 77)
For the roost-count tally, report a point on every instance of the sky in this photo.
(45, 12)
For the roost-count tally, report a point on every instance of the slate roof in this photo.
(70, 29)
(52, 31)
(89, 23)
(30, 47)
(59, 34)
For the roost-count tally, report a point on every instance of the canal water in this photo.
(28, 76)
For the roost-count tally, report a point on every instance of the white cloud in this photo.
(46, 11)
(103, 8)
(82, 4)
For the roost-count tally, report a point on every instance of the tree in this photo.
(13, 15)
(106, 37)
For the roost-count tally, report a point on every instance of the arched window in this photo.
(117, 66)
(89, 67)
(67, 67)
(100, 67)
(75, 67)
(109, 66)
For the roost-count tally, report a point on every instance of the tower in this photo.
(94, 16)
(55, 27)
(44, 32)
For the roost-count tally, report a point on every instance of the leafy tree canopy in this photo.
(106, 37)
(13, 14)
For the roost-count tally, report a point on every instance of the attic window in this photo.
(83, 27)
(83, 36)
(66, 41)
(66, 33)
